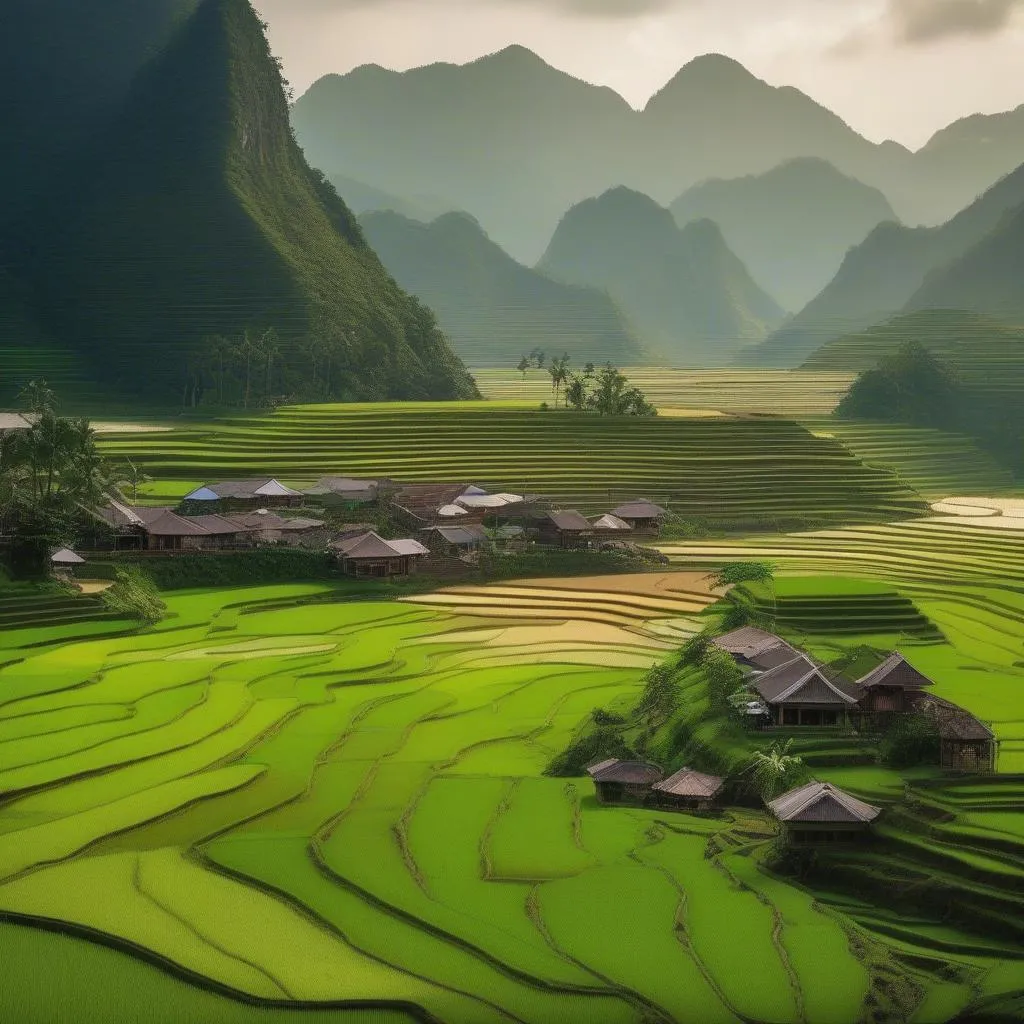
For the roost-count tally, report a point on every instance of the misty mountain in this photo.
(362, 198)
(492, 308)
(688, 296)
(516, 142)
(195, 215)
(887, 274)
(792, 226)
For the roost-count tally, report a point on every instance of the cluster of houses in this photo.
(444, 522)
(797, 692)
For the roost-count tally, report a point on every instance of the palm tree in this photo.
(776, 770)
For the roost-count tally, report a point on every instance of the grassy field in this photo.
(266, 805)
(794, 393)
(732, 472)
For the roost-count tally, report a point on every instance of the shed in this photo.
(642, 515)
(820, 813)
(892, 687)
(66, 559)
(612, 525)
(966, 744)
(624, 781)
(455, 540)
(566, 528)
(688, 790)
(799, 693)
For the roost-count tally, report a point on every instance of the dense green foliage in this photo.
(488, 304)
(909, 741)
(196, 215)
(820, 212)
(264, 565)
(690, 299)
(606, 392)
(134, 594)
(960, 372)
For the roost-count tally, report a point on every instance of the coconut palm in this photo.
(776, 770)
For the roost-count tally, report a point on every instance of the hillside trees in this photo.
(608, 393)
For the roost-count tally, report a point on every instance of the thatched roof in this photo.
(631, 773)
(345, 486)
(821, 802)
(800, 681)
(408, 547)
(688, 783)
(895, 671)
(219, 525)
(489, 501)
(460, 535)
(952, 721)
(639, 509)
(371, 545)
(570, 520)
(753, 644)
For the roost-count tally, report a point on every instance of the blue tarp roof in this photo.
(203, 494)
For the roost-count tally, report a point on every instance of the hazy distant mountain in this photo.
(690, 299)
(516, 142)
(963, 160)
(791, 226)
(361, 198)
(508, 138)
(196, 215)
(492, 308)
(886, 274)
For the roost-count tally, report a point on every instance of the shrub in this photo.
(588, 748)
(910, 741)
(134, 594)
(264, 565)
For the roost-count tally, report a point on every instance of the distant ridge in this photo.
(689, 298)
(491, 307)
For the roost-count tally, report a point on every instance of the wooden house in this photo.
(966, 744)
(458, 541)
(800, 693)
(893, 687)
(687, 790)
(266, 527)
(642, 515)
(756, 648)
(369, 556)
(565, 528)
(262, 492)
(626, 782)
(822, 814)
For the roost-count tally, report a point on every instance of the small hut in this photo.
(66, 560)
(821, 814)
(893, 687)
(642, 515)
(455, 540)
(567, 528)
(687, 790)
(368, 555)
(611, 527)
(624, 782)
(966, 744)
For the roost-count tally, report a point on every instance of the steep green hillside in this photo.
(491, 307)
(819, 212)
(689, 297)
(886, 273)
(198, 216)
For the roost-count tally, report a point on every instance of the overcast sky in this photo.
(896, 69)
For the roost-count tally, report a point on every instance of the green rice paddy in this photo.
(735, 472)
(268, 809)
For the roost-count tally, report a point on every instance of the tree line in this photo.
(605, 391)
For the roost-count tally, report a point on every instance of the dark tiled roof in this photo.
(170, 524)
(570, 520)
(821, 802)
(687, 782)
(895, 671)
(470, 534)
(221, 525)
(639, 509)
(632, 773)
(800, 681)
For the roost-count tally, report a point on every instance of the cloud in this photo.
(922, 21)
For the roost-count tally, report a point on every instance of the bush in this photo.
(135, 595)
(910, 741)
(592, 746)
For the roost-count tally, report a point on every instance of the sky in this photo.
(898, 69)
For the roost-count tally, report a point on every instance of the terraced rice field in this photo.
(266, 806)
(736, 473)
(793, 393)
(964, 573)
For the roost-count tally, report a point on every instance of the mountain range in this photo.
(689, 298)
(973, 262)
(792, 226)
(190, 213)
(517, 142)
(492, 308)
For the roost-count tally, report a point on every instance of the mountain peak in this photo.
(712, 71)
